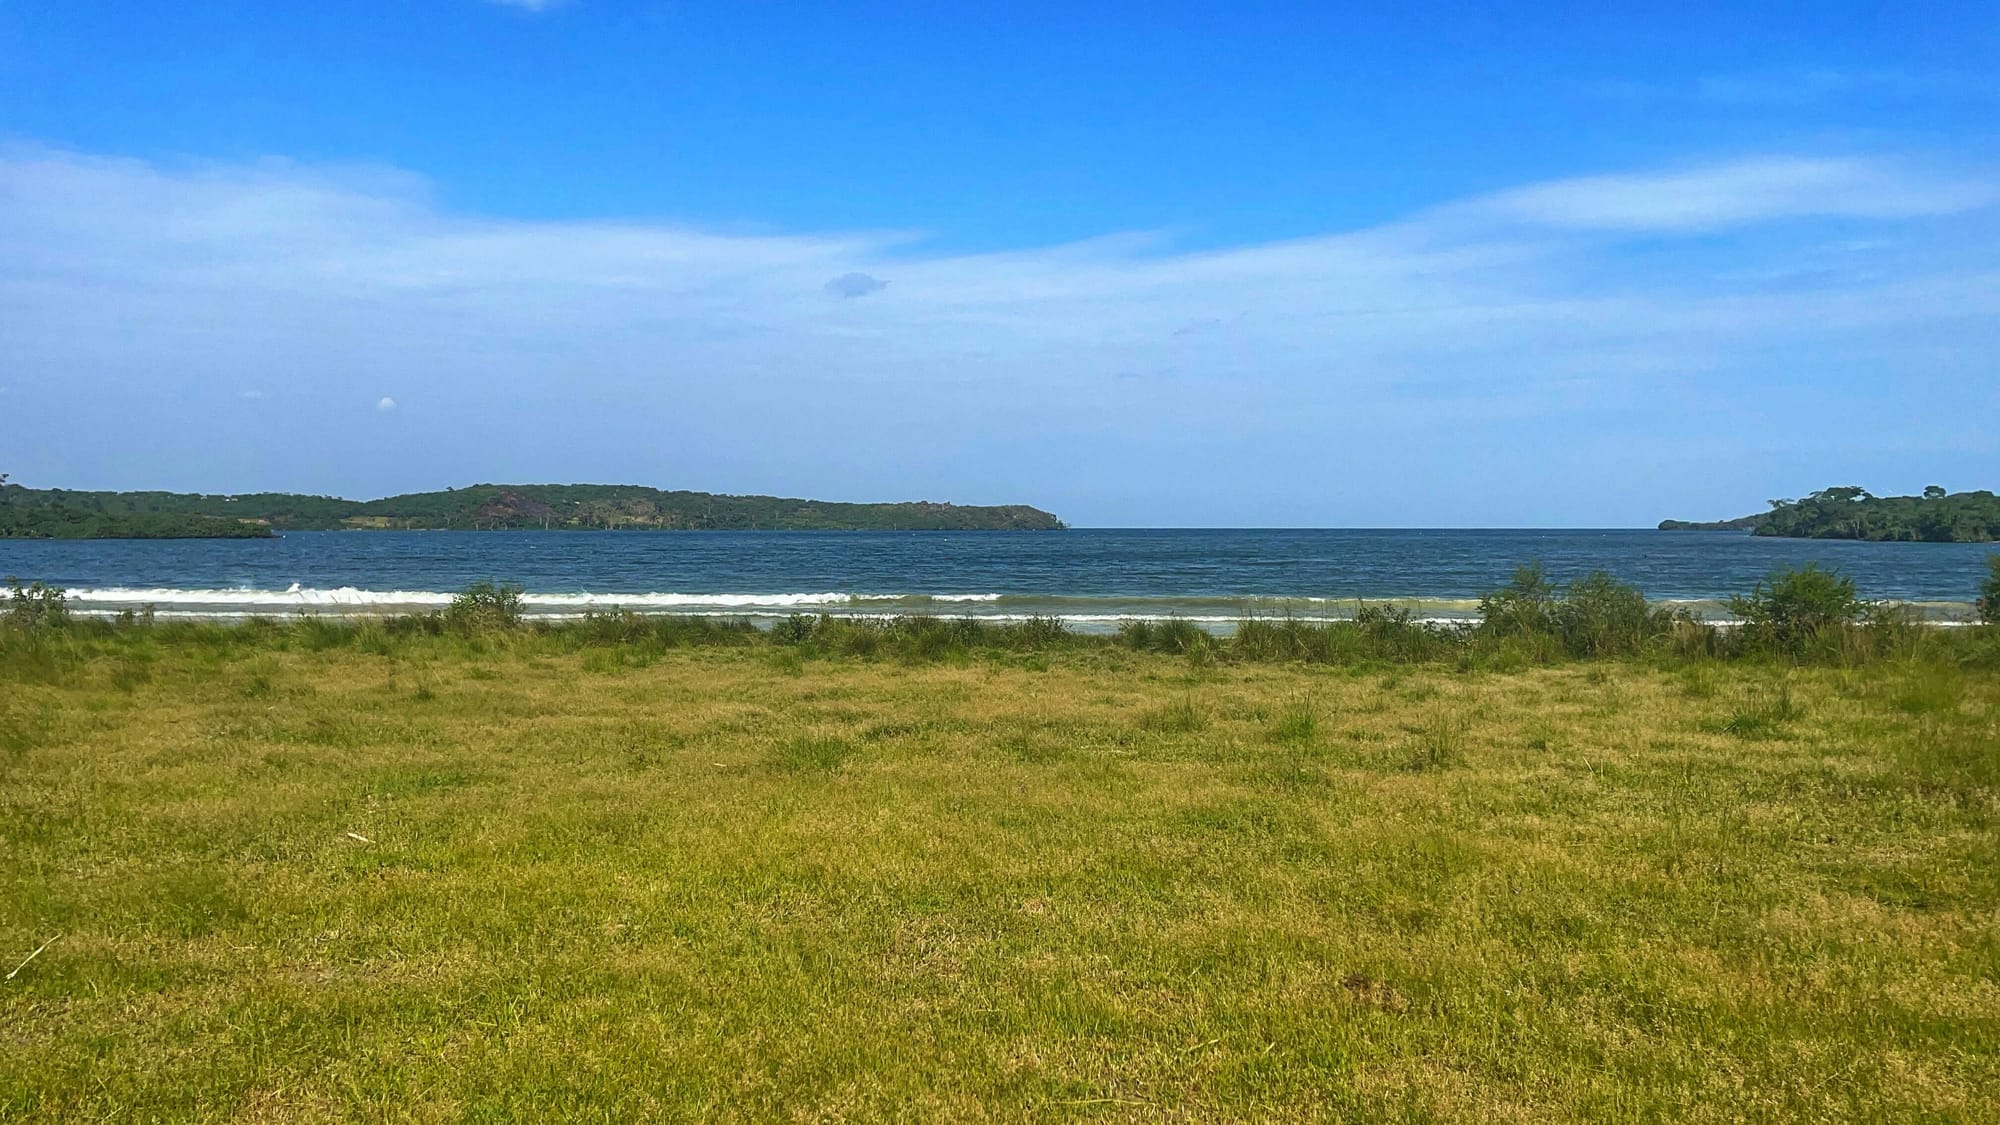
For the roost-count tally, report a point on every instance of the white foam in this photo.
(345, 597)
(691, 601)
(294, 597)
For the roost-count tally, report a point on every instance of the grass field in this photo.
(443, 879)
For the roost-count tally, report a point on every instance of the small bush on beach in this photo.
(1600, 616)
(1594, 616)
(35, 605)
(1525, 607)
(1989, 592)
(1794, 609)
(484, 606)
(794, 630)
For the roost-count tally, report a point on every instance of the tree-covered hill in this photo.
(1848, 512)
(26, 514)
(542, 506)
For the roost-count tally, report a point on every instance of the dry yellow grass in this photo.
(447, 880)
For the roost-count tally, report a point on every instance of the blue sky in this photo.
(1142, 265)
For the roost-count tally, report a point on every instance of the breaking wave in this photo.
(1079, 610)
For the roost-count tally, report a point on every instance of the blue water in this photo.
(1087, 575)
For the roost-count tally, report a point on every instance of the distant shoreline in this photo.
(1852, 513)
(61, 514)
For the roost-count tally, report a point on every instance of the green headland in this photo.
(1936, 516)
(27, 513)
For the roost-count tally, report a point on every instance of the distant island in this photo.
(1848, 512)
(27, 513)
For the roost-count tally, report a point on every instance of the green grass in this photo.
(680, 871)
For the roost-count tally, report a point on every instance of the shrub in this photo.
(35, 605)
(1989, 592)
(796, 629)
(1525, 607)
(483, 606)
(1594, 616)
(1793, 608)
(1601, 616)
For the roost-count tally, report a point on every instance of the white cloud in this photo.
(530, 5)
(1804, 89)
(385, 404)
(1748, 191)
(1603, 295)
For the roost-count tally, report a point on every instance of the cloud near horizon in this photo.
(1594, 334)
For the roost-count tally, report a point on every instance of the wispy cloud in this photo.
(530, 5)
(1746, 191)
(579, 347)
(1804, 88)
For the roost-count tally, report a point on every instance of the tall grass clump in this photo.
(1392, 633)
(1440, 744)
(1034, 634)
(1180, 717)
(1797, 609)
(1260, 639)
(318, 634)
(1173, 635)
(916, 637)
(812, 753)
(1764, 715)
(1298, 725)
(1989, 592)
(654, 632)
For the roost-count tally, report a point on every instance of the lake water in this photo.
(1092, 577)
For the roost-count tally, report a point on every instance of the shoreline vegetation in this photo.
(68, 514)
(1532, 604)
(1800, 613)
(1848, 512)
(1584, 860)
